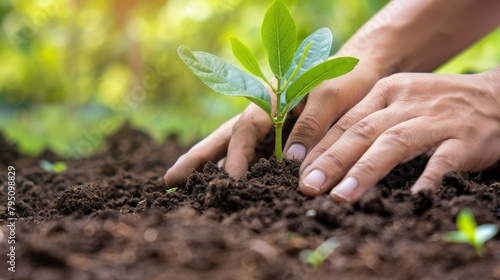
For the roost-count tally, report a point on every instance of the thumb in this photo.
(322, 109)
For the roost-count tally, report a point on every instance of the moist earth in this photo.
(110, 216)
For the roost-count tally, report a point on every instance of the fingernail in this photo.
(345, 189)
(296, 151)
(315, 180)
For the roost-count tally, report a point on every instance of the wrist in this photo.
(370, 61)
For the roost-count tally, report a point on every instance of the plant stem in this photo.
(278, 152)
(479, 249)
(278, 124)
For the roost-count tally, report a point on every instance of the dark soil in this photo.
(110, 217)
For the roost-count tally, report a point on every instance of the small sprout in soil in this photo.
(316, 258)
(468, 231)
(297, 70)
(171, 190)
(56, 167)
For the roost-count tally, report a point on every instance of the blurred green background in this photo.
(73, 71)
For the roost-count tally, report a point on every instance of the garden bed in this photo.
(111, 217)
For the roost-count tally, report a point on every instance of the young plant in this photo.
(468, 231)
(296, 70)
(56, 167)
(317, 257)
(171, 190)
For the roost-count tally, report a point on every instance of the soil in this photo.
(111, 217)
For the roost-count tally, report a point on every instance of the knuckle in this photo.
(390, 87)
(320, 150)
(397, 136)
(403, 80)
(444, 162)
(387, 84)
(308, 127)
(364, 131)
(247, 127)
(470, 132)
(336, 161)
(366, 166)
(346, 122)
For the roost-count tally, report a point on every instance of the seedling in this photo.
(296, 70)
(171, 190)
(316, 258)
(56, 167)
(468, 231)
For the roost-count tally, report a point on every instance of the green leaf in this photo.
(327, 247)
(171, 190)
(294, 74)
(246, 58)
(60, 166)
(485, 232)
(56, 167)
(279, 37)
(456, 236)
(313, 77)
(317, 257)
(225, 78)
(46, 165)
(318, 52)
(306, 256)
(466, 223)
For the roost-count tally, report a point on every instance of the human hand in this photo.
(236, 138)
(405, 115)
(234, 142)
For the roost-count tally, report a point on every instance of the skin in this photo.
(353, 130)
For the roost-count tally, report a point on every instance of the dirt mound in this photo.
(84, 198)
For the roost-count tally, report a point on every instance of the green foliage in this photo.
(316, 258)
(320, 43)
(278, 36)
(171, 190)
(316, 75)
(468, 232)
(56, 167)
(226, 79)
(246, 58)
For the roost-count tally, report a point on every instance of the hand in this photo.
(234, 142)
(405, 115)
(238, 137)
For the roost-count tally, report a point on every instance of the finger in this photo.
(221, 162)
(316, 118)
(211, 148)
(325, 104)
(444, 160)
(297, 110)
(331, 166)
(364, 108)
(397, 144)
(248, 131)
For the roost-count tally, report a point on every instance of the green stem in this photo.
(278, 124)
(278, 150)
